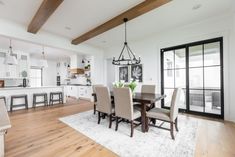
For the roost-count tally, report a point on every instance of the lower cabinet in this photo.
(72, 91)
(79, 92)
(85, 92)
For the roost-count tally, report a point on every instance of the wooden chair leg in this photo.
(99, 117)
(147, 126)
(116, 128)
(110, 120)
(176, 124)
(172, 130)
(94, 108)
(132, 128)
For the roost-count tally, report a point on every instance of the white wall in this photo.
(149, 50)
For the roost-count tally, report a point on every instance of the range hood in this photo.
(77, 71)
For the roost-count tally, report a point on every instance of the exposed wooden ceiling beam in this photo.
(44, 12)
(132, 13)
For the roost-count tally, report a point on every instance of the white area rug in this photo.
(155, 143)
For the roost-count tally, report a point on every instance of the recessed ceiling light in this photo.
(67, 27)
(2, 3)
(197, 6)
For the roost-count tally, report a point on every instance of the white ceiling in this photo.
(34, 50)
(83, 15)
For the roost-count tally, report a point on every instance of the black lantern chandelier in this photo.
(131, 58)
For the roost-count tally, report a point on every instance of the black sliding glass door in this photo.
(197, 68)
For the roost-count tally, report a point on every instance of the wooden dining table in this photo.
(143, 99)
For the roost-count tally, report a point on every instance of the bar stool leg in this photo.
(50, 100)
(11, 104)
(26, 102)
(62, 98)
(34, 101)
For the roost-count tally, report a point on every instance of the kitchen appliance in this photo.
(58, 82)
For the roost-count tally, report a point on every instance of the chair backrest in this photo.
(97, 85)
(151, 89)
(123, 103)
(103, 100)
(175, 103)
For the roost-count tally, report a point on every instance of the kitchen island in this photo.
(9, 91)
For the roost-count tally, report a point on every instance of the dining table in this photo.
(142, 99)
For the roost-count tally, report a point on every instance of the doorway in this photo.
(197, 68)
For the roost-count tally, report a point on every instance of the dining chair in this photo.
(124, 108)
(95, 99)
(170, 116)
(104, 104)
(149, 89)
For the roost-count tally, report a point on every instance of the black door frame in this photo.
(186, 46)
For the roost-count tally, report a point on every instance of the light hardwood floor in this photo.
(39, 133)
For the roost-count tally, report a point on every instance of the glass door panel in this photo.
(213, 102)
(174, 74)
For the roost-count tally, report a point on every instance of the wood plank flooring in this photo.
(39, 133)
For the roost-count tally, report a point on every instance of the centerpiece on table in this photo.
(132, 85)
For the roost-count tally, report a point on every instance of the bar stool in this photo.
(45, 100)
(60, 99)
(3, 98)
(23, 96)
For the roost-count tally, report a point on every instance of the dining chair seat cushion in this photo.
(136, 113)
(159, 113)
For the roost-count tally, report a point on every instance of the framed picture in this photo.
(123, 73)
(137, 73)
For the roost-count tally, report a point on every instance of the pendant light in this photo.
(10, 59)
(131, 58)
(43, 61)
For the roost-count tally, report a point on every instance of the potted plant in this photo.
(132, 86)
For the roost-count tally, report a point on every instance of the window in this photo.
(35, 77)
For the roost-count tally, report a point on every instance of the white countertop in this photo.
(22, 88)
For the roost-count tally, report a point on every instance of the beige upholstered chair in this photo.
(104, 105)
(148, 89)
(165, 115)
(95, 99)
(124, 107)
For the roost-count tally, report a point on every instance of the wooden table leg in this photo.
(143, 117)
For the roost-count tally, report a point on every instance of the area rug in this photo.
(155, 143)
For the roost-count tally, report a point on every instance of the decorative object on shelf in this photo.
(131, 59)
(123, 73)
(24, 75)
(43, 61)
(10, 59)
(137, 73)
(87, 67)
(84, 60)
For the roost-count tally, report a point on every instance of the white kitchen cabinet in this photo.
(85, 92)
(72, 91)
